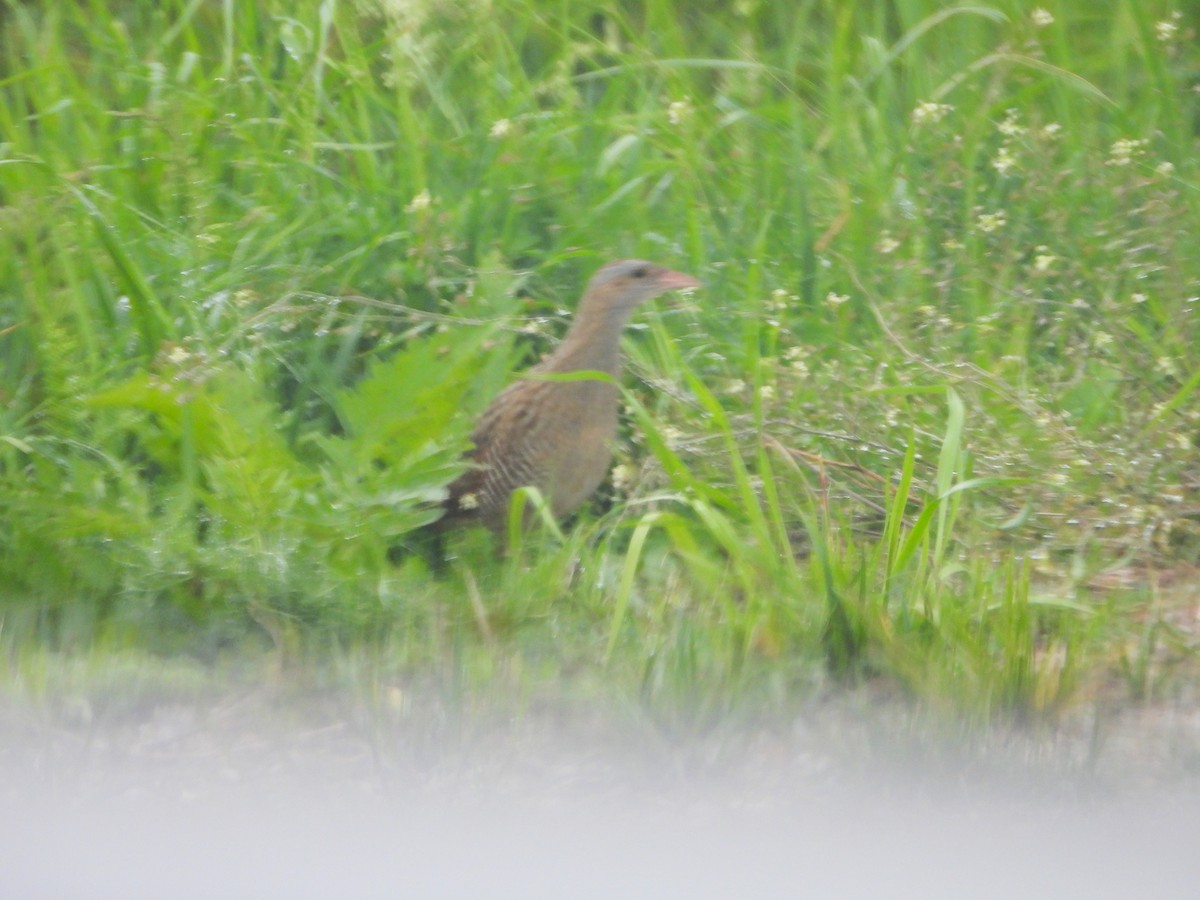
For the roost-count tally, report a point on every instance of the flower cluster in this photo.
(993, 221)
(928, 113)
(680, 111)
(1125, 151)
(1011, 128)
(1167, 29)
(887, 243)
(419, 203)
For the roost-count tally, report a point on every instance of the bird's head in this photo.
(625, 284)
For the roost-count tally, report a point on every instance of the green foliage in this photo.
(260, 262)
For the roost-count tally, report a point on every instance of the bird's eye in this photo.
(639, 272)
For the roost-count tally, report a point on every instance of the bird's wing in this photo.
(500, 437)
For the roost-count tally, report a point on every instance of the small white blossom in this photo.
(672, 436)
(735, 386)
(468, 502)
(1004, 162)
(1138, 298)
(795, 357)
(1165, 169)
(835, 299)
(989, 222)
(1041, 17)
(1167, 365)
(1125, 151)
(1043, 262)
(1101, 339)
(622, 478)
(926, 112)
(680, 111)
(501, 128)
(1166, 30)
(1050, 131)
(779, 300)
(1011, 126)
(766, 392)
(420, 202)
(887, 244)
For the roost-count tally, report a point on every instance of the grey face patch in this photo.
(632, 269)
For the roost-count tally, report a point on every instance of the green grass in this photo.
(262, 262)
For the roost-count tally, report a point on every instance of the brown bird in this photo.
(553, 435)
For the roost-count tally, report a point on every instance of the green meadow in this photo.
(930, 430)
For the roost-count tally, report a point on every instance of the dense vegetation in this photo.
(933, 421)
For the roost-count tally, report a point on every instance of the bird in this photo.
(556, 435)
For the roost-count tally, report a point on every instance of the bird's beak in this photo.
(678, 281)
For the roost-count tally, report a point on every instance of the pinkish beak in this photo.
(677, 281)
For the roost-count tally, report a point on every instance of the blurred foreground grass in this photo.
(933, 422)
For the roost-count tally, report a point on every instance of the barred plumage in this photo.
(557, 435)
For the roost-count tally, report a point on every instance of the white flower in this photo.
(1004, 162)
(766, 392)
(1043, 261)
(1166, 365)
(835, 299)
(420, 202)
(989, 222)
(673, 437)
(1011, 126)
(779, 300)
(1101, 339)
(501, 128)
(468, 502)
(1050, 131)
(1168, 28)
(1138, 298)
(1041, 17)
(680, 111)
(926, 112)
(887, 244)
(622, 478)
(1125, 151)
(1165, 169)
(795, 357)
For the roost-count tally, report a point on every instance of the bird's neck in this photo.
(592, 343)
